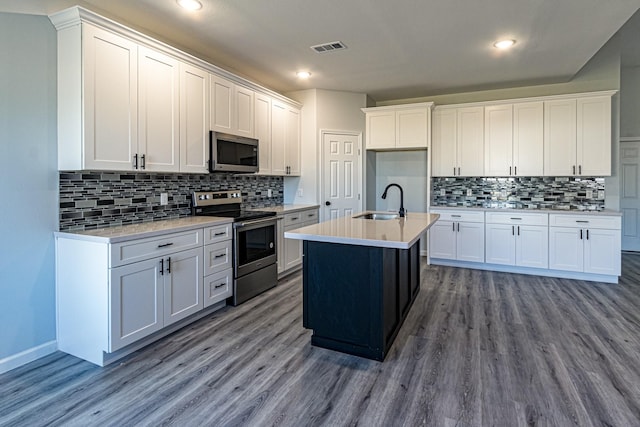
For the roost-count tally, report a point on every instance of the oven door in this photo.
(255, 246)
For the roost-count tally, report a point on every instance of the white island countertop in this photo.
(399, 233)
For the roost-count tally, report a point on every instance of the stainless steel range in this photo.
(254, 241)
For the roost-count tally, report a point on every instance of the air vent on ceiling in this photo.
(328, 47)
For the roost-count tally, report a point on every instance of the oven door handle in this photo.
(255, 222)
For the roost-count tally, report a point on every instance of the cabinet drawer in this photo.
(585, 221)
(293, 219)
(218, 233)
(463, 216)
(218, 287)
(517, 218)
(218, 257)
(310, 216)
(141, 249)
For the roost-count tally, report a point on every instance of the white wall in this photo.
(409, 170)
(322, 110)
(630, 102)
(29, 187)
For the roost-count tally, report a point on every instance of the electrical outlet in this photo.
(589, 194)
(269, 193)
(600, 194)
(443, 192)
(164, 199)
(503, 193)
(469, 192)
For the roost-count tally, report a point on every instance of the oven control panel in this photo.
(207, 198)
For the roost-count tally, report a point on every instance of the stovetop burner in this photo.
(225, 204)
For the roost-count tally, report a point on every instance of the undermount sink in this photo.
(379, 216)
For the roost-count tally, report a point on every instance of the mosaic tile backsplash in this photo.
(566, 193)
(90, 200)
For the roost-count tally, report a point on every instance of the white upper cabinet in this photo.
(285, 139)
(528, 138)
(129, 103)
(398, 127)
(577, 136)
(498, 140)
(513, 139)
(232, 107)
(594, 136)
(263, 132)
(158, 106)
(194, 119)
(98, 99)
(458, 142)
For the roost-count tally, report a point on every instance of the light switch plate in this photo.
(503, 193)
(600, 194)
(589, 194)
(164, 199)
(269, 193)
(443, 192)
(469, 192)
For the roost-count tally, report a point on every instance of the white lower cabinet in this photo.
(111, 296)
(290, 252)
(585, 244)
(457, 235)
(517, 239)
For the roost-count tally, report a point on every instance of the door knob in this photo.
(327, 203)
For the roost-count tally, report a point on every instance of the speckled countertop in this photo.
(285, 209)
(400, 233)
(125, 233)
(605, 212)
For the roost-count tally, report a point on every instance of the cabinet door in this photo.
(411, 128)
(442, 240)
(222, 104)
(532, 246)
(292, 138)
(470, 147)
(381, 130)
(278, 138)
(262, 129)
(565, 249)
(194, 119)
(500, 244)
(560, 138)
(498, 140)
(594, 136)
(470, 241)
(110, 65)
(243, 117)
(602, 251)
(135, 302)
(159, 104)
(528, 139)
(292, 253)
(443, 145)
(182, 285)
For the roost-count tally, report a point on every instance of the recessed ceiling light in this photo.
(190, 4)
(303, 74)
(504, 44)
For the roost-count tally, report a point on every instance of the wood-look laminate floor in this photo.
(478, 349)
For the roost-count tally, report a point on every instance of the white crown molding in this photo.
(77, 15)
(428, 105)
(531, 99)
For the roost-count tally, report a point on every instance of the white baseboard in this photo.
(22, 358)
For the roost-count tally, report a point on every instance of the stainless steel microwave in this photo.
(232, 153)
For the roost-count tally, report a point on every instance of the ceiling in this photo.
(395, 49)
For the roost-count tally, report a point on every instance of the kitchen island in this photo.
(360, 278)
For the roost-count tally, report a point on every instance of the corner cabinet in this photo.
(398, 127)
(113, 298)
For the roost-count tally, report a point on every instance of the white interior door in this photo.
(630, 194)
(340, 175)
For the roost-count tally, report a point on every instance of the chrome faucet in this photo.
(401, 212)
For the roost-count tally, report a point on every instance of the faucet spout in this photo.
(401, 212)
